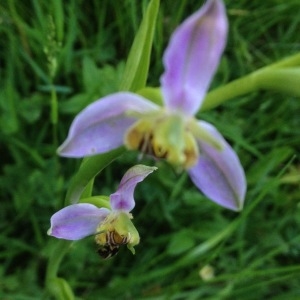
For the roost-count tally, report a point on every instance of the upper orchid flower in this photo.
(171, 132)
(111, 227)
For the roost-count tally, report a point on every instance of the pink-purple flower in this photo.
(171, 132)
(80, 220)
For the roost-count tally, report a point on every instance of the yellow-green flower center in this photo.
(117, 229)
(164, 136)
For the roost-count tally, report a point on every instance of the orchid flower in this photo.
(171, 132)
(111, 227)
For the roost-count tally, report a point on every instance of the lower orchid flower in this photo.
(172, 132)
(112, 227)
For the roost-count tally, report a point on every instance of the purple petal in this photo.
(77, 221)
(101, 126)
(219, 174)
(192, 57)
(123, 199)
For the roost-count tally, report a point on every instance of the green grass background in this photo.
(76, 51)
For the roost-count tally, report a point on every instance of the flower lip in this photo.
(116, 230)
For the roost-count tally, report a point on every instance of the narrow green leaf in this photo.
(59, 19)
(60, 288)
(137, 66)
(90, 74)
(262, 168)
(152, 94)
(99, 201)
(89, 168)
(88, 190)
(36, 68)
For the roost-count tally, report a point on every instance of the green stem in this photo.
(59, 251)
(89, 168)
(231, 90)
(58, 287)
(246, 84)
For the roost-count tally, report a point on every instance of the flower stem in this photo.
(246, 84)
(58, 287)
(228, 91)
(89, 168)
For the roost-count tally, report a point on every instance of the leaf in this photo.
(152, 94)
(137, 66)
(90, 74)
(60, 288)
(8, 105)
(261, 169)
(89, 168)
(181, 242)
